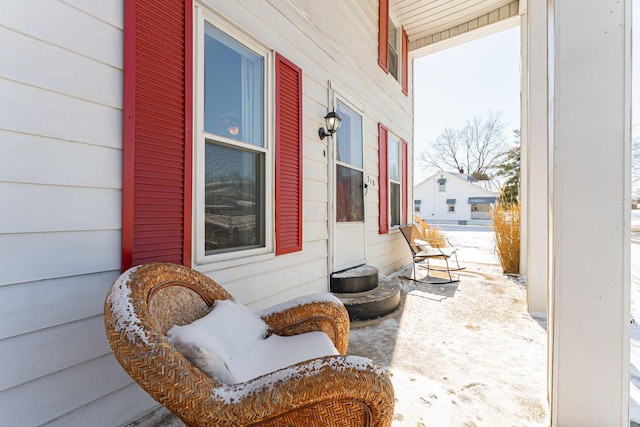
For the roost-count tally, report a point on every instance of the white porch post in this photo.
(589, 145)
(534, 192)
(534, 157)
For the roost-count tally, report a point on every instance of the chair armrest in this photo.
(317, 312)
(332, 382)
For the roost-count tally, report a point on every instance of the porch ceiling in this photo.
(428, 21)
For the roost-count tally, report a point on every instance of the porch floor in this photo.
(465, 353)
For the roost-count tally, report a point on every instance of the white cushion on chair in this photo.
(229, 344)
(427, 249)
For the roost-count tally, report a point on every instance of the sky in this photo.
(469, 80)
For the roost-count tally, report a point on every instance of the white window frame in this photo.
(235, 257)
(397, 47)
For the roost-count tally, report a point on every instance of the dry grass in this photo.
(506, 224)
(434, 236)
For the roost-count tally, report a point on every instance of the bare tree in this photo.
(476, 148)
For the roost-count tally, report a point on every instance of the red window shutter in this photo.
(405, 182)
(157, 116)
(383, 179)
(405, 63)
(288, 167)
(383, 34)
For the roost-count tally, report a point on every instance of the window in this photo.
(349, 172)
(235, 148)
(395, 46)
(393, 195)
(394, 181)
(442, 185)
(416, 205)
(246, 172)
(451, 205)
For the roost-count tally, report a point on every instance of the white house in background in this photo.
(114, 152)
(455, 198)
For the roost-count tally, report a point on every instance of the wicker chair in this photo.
(329, 391)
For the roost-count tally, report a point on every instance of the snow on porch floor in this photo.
(459, 354)
(462, 354)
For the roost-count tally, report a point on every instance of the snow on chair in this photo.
(214, 362)
(423, 249)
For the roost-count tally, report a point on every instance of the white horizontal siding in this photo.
(42, 304)
(42, 160)
(115, 409)
(39, 208)
(51, 350)
(42, 112)
(68, 27)
(46, 398)
(68, 73)
(107, 11)
(38, 256)
(60, 183)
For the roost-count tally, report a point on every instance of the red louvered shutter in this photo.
(288, 146)
(405, 182)
(383, 179)
(157, 116)
(405, 63)
(383, 34)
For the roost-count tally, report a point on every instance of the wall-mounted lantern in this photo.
(332, 121)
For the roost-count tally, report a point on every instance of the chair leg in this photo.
(446, 260)
(457, 263)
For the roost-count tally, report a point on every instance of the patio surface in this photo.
(459, 354)
(465, 353)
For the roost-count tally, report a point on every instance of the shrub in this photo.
(506, 224)
(434, 236)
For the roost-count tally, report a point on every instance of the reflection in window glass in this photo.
(394, 159)
(349, 138)
(393, 50)
(233, 196)
(394, 180)
(394, 190)
(349, 195)
(233, 89)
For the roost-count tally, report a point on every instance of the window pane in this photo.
(349, 197)
(394, 159)
(233, 89)
(394, 189)
(233, 196)
(349, 142)
(392, 66)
